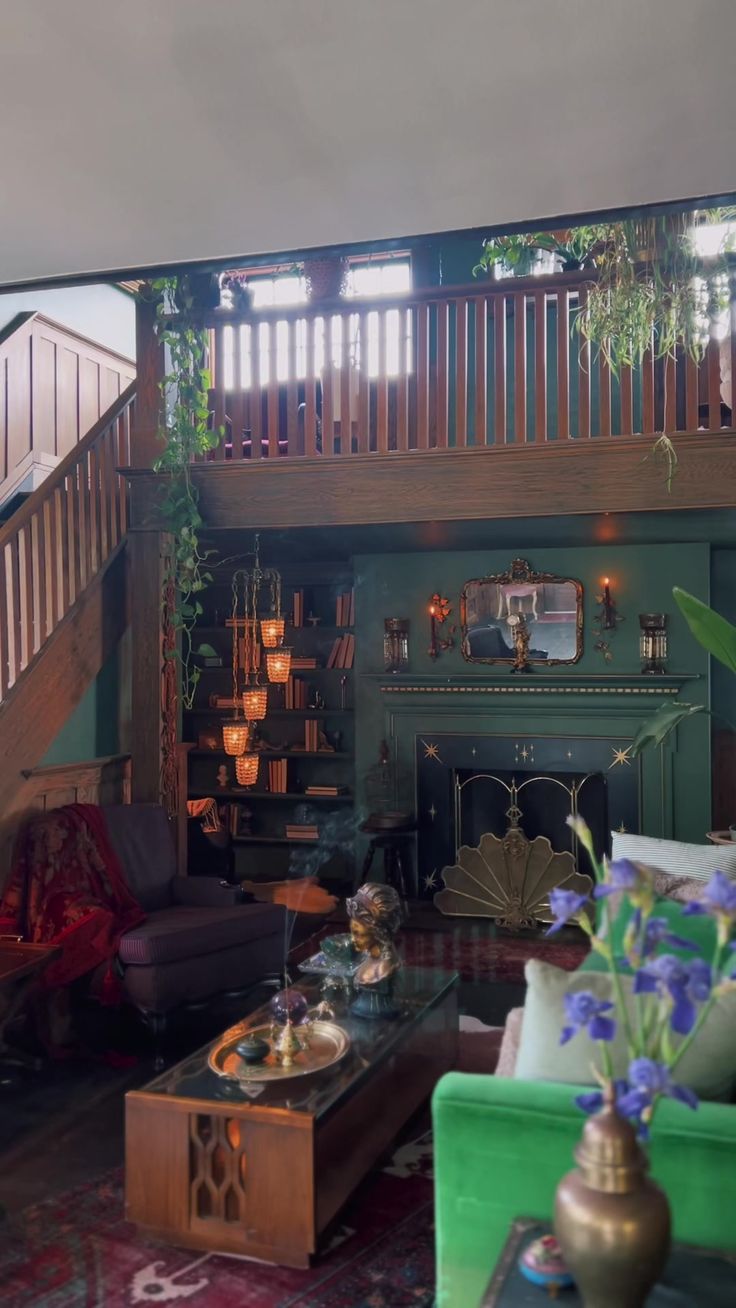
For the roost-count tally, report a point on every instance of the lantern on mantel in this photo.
(235, 736)
(246, 769)
(278, 664)
(272, 632)
(255, 703)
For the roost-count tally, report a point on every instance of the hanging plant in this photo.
(186, 431)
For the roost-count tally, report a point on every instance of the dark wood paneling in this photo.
(557, 478)
(146, 580)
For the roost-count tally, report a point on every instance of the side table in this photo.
(19, 964)
(693, 1277)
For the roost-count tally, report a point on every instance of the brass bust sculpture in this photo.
(375, 918)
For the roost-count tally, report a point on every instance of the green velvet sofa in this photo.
(501, 1146)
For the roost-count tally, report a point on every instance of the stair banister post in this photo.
(145, 445)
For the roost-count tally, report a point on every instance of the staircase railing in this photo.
(62, 537)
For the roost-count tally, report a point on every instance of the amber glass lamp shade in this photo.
(246, 769)
(272, 632)
(235, 736)
(278, 664)
(255, 703)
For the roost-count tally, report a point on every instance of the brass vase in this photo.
(612, 1222)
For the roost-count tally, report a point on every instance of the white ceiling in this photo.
(152, 131)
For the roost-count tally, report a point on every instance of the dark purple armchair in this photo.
(198, 939)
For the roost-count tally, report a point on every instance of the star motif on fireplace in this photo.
(621, 830)
(431, 882)
(524, 753)
(433, 812)
(432, 751)
(620, 756)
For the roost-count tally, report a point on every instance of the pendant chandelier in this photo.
(246, 769)
(247, 587)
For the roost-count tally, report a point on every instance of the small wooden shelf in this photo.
(293, 796)
(280, 713)
(272, 753)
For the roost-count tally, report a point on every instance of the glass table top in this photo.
(417, 992)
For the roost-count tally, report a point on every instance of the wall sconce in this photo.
(278, 664)
(653, 642)
(440, 609)
(606, 619)
(395, 644)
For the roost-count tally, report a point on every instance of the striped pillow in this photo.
(675, 857)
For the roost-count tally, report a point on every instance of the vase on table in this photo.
(612, 1221)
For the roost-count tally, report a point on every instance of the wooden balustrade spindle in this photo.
(520, 369)
(713, 367)
(17, 629)
(256, 395)
(443, 367)
(480, 408)
(647, 391)
(382, 387)
(364, 389)
(25, 536)
(272, 396)
(328, 405)
(563, 365)
(670, 394)
(540, 367)
(692, 393)
(422, 376)
(461, 373)
(627, 400)
(218, 416)
(583, 372)
(346, 370)
(499, 369)
(292, 392)
(310, 393)
(402, 383)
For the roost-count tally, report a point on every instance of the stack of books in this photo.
(345, 609)
(311, 735)
(342, 652)
(277, 775)
(295, 693)
(298, 608)
(300, 664)
(327, 791)
(301, 831)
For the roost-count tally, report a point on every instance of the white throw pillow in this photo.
(708, 1067)
(675, 857)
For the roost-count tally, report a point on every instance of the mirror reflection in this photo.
(542, 610)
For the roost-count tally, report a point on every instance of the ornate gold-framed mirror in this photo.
(522, 617)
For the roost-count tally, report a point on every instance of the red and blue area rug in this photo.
(77, 1251)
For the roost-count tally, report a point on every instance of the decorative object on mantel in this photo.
(551, 608)
(375, 918)
(395, 644)
(383, 785)
(520, 636)
(510, 879)
(653, 643)
(440, 609)
(613, 1224)
(606, 620)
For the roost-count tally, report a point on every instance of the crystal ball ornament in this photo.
(288, 1006)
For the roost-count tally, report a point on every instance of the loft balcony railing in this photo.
(447, 368)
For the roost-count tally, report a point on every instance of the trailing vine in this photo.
(186, 431)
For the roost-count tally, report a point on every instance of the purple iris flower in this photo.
(719, 900)
(657, 933)
(687, 982)
(647, 1081)
(564, 904)
(584, 1012)
(592, 1101)
(624, 875)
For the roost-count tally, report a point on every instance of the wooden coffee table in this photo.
(19, 964)
(209, 1167)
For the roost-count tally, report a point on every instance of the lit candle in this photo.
(607, 592)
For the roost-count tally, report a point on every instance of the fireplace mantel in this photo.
(569, 683)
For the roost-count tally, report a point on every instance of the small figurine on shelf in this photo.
(323, 744)
(520, 634)
(375, 918)
(223, 777)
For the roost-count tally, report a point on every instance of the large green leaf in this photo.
(714, 633)
(660, 724)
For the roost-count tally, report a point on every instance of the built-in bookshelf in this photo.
(306, 741)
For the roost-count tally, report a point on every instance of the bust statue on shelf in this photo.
(375, 918)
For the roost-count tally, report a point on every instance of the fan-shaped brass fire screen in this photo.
(509, 879)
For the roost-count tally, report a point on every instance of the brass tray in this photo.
(328, 1043)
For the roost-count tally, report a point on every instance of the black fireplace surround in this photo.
(468, 785)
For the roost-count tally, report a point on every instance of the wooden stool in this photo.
(396, 858)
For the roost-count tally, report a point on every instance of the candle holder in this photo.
(653, 643)
(606, 619)
(440, 609)
(396, 644)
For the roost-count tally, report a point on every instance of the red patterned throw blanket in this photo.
(67, 888)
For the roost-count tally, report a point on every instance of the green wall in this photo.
(100, 724)
(676, 787)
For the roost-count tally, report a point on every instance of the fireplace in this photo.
(472, 785)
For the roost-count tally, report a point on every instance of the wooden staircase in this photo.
(63, 598)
